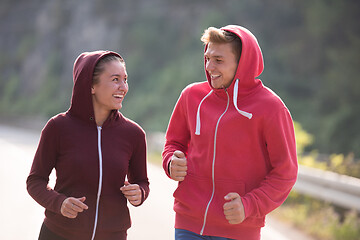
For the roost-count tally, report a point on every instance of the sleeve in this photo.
(137, 172)
(43, 163)
(177, 134)
(281, 148)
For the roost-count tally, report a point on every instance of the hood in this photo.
(251, 65)
(81, 101)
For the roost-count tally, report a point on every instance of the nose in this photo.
(123, 86)
(209, 65)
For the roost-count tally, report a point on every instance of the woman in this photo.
(93, 148)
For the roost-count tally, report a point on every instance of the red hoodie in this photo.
(90, 161)
(240, 139)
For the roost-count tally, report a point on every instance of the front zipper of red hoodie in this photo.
(213, 163)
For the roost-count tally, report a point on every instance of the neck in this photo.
(101, 116)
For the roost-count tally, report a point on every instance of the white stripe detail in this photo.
(236, 89)
(197, 132)
(213, 165)
(100, 183)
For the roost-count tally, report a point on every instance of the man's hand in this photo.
(72, 206)
(178, 166)
(132, 192)
(234, 210)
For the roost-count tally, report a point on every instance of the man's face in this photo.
(221, 64)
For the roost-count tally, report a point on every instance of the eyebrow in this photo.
(118, 75)
(217, 56)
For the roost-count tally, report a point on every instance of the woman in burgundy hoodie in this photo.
(93, 148)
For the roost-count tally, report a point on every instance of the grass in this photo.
(319, 219)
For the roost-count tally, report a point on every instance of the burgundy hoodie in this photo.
(240, 139)
(90, 161)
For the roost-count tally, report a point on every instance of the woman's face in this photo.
(109, 92)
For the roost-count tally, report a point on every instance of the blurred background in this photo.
(311, 51)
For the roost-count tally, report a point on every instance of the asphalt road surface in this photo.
(21, 217)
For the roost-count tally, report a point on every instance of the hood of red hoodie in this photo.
(81, 101)
(251, 63)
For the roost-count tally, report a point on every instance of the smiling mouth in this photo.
(118, 96)
(213, 77)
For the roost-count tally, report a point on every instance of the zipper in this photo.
(213, 165)
(99, 128)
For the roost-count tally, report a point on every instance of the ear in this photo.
(92, 89)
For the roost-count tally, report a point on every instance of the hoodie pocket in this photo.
(113, 213)
(192, 195)
(81, 223)
(222, 188)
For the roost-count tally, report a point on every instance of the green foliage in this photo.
(316, 217)
(303, 139)
(319, 218)
(338, 163)
(349, 229)
(344, 165)
(155, 94)
(9, 92)
(335, 103)
(311, 52)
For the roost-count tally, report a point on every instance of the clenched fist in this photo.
(234, 209)
(132, 192)
(71, 207)
(178, 166)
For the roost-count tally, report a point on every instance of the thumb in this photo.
(126, 183)
(179, 154)
(231, 196)
(82, 199)
(82, 204)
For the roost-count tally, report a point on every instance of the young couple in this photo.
(230, 144)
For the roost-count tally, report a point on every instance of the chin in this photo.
(117, 108)
(216, 85)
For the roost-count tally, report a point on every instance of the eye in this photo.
(218, 60)
(115, 80)
(125, 79)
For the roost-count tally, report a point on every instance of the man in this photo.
(230, 143)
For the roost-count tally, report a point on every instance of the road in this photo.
(21, 217)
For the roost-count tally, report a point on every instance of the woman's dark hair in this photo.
(99, 67)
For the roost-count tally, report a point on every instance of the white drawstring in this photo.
(236, 87)
(197, 132)
(243, 113)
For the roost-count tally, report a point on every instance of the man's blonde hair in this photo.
(216, 35)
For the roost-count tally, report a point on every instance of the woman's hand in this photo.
(72, 206)
(132, 192)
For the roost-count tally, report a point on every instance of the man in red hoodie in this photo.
(230, 144)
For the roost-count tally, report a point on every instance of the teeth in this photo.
(215, 76)
(118, 96)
